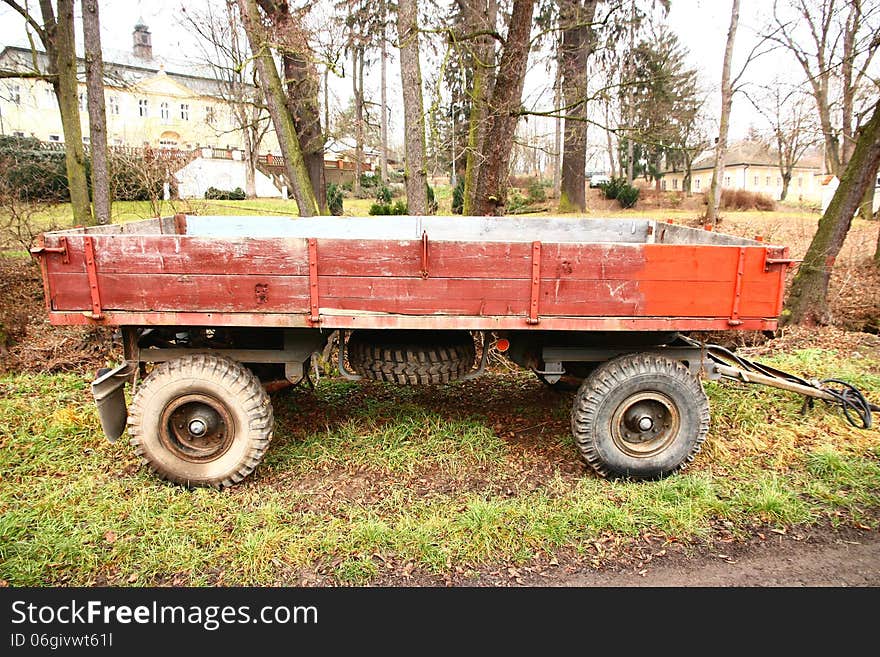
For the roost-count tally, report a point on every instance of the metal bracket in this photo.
(42, 248)
(92, 272)
(484, 361)
(424, 270)
(314, 315)
(351, 376)
(536, 284)
(771, 258)
(737, 288)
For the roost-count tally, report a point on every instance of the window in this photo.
(86, 140)
(142, 107)
(163, 111)
(778, 181)
(15, 93)
(184, 112)
(54, 137)
(82, 101)
(767, 182)
(114, 105)
(800, 181)
(17, 133)
(756, 181)
(675, 183)
(727, 181)
(663, 185)
(697, 183)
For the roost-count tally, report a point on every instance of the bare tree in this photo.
(383, 60)
(834, 43)
(301, 81)
(225, 52)
(793, 128)
(575, 19)
(480, 17)
(504, 111)
(724, 121)
(807, 301)
(282, 118)
(413, 107)
(56, 33)
(97, 114)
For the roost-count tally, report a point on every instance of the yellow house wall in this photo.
(805, 183)
(36, 115)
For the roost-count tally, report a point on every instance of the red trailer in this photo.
(211, 308)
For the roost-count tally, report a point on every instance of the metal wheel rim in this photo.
(197, 428)
(629, 424)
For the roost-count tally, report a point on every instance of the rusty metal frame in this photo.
(92, 272)
(535, 296)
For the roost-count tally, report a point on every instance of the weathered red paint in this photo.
(161, 279)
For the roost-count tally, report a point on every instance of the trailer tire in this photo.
(411, 357)
(201, 421)
(641, 416)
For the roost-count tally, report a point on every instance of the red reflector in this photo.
(502, 345)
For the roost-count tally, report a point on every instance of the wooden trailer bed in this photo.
(473, 273)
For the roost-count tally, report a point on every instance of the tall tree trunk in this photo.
(357, 83)
(97, 115)
(383, 123)
(630, 105)
(609, 144)
(250, 182)
(557, 136)
(807, 301)
(866, 207)
(276, 101)
(786, 181)
(413, 107)
(62, 63)
(724, 123)
(482, 15)
(326, 102)
(576, 17)
(503, 112)
(301, 81)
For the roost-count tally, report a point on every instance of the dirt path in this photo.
(823, 558)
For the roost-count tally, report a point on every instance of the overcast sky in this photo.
(700, 24)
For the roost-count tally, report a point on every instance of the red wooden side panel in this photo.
(170, 273)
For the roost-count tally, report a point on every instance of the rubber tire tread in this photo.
(394, 359)
(590, 417)
(244, 391)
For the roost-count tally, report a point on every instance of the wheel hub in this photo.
(197, 427)
(645, 424)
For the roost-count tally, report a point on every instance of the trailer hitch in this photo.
(723, 363)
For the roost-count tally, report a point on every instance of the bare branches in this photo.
(31, 21)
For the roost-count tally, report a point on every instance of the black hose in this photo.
(856, 408)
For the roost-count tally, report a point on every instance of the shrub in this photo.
(612, 188)
(334, 199)
(536, 191)
(32, 171)
(516, 203)
(215, 194)
(741, 199)
(383, 194)
(381, 209)
(370, 180)
(432, 202)
(458, 197)
(627, 196)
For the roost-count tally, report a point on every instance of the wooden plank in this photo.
(248, 293)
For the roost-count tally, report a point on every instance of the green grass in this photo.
(365, 479)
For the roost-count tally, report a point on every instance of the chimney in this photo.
(143, 46)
